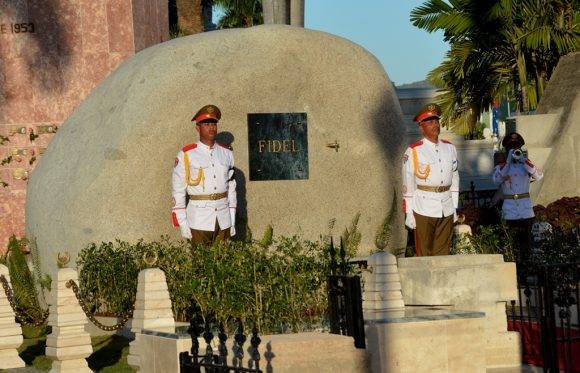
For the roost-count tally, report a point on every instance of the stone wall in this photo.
(554, 134)
(52, 54)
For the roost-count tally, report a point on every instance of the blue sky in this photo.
(383, 28)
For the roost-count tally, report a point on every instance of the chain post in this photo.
(71, 284)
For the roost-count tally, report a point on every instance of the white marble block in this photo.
(69, 344)
(470, 283)
(152, 310)
(382, 289)
(10, 331)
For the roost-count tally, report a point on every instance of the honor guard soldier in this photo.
(513, 177)
(430, 186)
(204, 172)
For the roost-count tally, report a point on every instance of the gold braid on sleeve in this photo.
(420, 173)
(200, 175)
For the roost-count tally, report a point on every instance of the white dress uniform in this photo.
(432, 167)
(206, 175)
(514, 178)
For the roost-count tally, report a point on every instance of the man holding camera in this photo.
(514, 177)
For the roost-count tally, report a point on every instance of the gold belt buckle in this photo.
(516, 196)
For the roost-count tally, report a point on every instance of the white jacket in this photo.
(437, 167)
(514, 178)
(210, 172)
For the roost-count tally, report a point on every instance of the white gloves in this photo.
(510, 156)
(185, 230)
(233, 219)
(410, 220)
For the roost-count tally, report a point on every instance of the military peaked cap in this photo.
(208, 112)
(428, 111)
(513, 140)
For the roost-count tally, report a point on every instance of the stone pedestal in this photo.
(468, 282)
(461, 243)
(310, 352)
(426, 339)
(10, 331)
(382, 289)
(152, 311)
(69, 344)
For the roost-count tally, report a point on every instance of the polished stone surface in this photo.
(62, 50)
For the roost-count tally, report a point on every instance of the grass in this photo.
(109, 354)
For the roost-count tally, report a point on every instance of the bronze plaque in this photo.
(278, 146)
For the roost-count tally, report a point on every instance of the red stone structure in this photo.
(52, 54)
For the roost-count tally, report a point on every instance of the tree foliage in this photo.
(239, 13)
(24, 286)
(498, 49)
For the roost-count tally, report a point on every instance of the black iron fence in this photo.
(217, 361)
(345, 299)
(478, 198)
(546, 315)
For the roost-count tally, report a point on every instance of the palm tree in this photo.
(188, 17)
(240, 13)
(498, 49)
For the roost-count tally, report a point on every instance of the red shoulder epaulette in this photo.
(446, 141)
(529, 163)
(415, 144)
(224, 146)
(189, 147)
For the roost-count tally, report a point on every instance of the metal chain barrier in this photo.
(124, 318)
(21, 315)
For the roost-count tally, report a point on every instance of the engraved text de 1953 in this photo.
(16, 28)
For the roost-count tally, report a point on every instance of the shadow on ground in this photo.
(109, 355)
(33, 354)
(108, 352)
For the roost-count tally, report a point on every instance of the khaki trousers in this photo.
(209, 237)
(433, 235)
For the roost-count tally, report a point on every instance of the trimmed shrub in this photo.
(281, 283)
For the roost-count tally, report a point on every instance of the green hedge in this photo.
(279, 283)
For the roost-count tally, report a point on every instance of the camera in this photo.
(517, 155)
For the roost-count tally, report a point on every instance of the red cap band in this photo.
(428, 114)
(205, 116)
